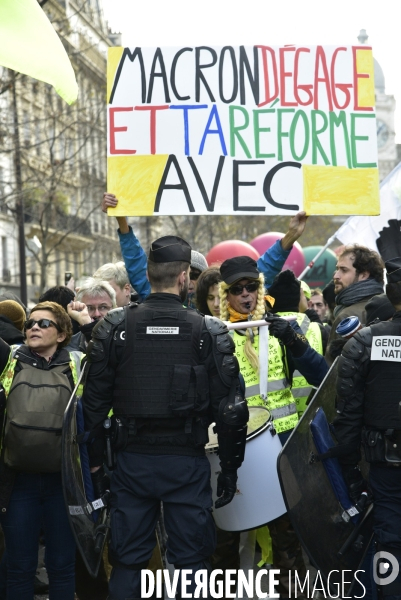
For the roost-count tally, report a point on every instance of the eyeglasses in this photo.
(102, 309)
(42, 323)
(194, 275)
(236, 290)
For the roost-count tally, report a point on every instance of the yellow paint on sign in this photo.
(113, 60)
(366, 85)
(135, 180)
(340, 191)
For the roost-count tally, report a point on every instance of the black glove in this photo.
(312, 315)
(281, 329)
(358, 488)
(101, 483)
(336, 347)
(226, 486)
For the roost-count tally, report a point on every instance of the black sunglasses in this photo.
(194, 275)
(236, 290)
(43, 324)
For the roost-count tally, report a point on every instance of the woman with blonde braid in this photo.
(242, 298)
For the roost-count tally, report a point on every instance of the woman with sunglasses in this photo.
(31, 495)
(243, 298)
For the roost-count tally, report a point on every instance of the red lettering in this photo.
(273, 96)
(284, 75)
(359, 76)
(321, 58)
(152, 110)
(113, 129)
(306, 88)
(344, 87)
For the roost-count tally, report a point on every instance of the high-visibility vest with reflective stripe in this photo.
(7, 376)
(280, 402)
(300, 387)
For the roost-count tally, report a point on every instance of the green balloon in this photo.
(322, 271)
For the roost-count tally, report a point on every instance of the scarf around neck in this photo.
(237, 316)
(356, 292)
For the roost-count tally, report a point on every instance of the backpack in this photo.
(35, 409)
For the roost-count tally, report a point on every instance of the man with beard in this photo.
(357, 278)
(167, 372)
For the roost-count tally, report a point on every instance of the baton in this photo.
(102, 528)
(351, 538)
(109, 452)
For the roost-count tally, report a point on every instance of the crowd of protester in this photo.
(57, 330)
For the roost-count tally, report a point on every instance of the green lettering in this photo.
(280, 133)
(234, 130)
(359, 138)
(316, 145)
(258, 130)
(336, 121)
(306, 134)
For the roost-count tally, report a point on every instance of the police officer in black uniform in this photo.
(167, 372)
(369, 407)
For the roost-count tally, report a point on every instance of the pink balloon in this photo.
(296, 259)
(228, 249)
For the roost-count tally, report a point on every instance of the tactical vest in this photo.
(383, 383)
(300, 387)
(36, 402)
(159, 375)
(280, 401)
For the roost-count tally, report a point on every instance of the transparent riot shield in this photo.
(333, 534)
(89, 518)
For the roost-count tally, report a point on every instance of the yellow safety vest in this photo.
(300, 387)
(7, 376)
(280, 401)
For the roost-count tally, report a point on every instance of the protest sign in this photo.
(241, 130)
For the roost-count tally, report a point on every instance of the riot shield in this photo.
(89, 520)
(333, 534)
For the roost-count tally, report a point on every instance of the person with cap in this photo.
(357, 278)
(379, 308)
(242, 298)
(368, 408)
(135, 258)
(167, 372)
(290, 300)
(270, 263)
(12, 319)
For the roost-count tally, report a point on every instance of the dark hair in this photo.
(365, 260)
(207, 279)
(164, 275)
(60, 294)
(329, 295)
(61, 317)
(393, 293)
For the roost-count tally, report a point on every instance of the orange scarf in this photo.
(236, 316)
